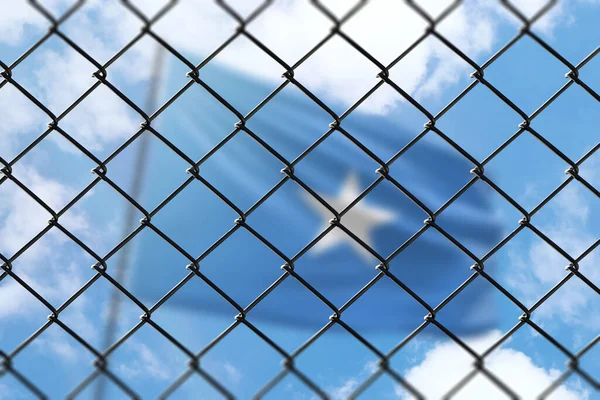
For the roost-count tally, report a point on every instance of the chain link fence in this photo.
(102, 363)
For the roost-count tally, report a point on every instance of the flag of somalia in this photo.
(252, 212)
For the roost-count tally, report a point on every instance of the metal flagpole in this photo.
(125, 254)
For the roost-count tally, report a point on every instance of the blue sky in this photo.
(336, 362)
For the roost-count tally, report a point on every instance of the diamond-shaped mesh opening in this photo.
(520, 66)
(147, 362)
(142, 185)
(280, 120)
(211, 304)
(133, 73)
(202, 324)
(54, 266)
(452, 360)
(400, 314)
(385, 122)
(57, 170)
(530, 267)
(195, 122)
(479, 209)
(480, 122)
(432, 183)
(567, 219)
(91, 310)
(548, 169)
(566, 121)
(244, 256)
(290, 314)
(348, 264)
(56, 74)
(97, 208)
(101, 122)
(275, 221)
(197, 238)
(243, 170)
(478, 304)
(398, 217)
(153, 256)
(228, 351)
(326, 172)
(327, 374)
(436, 74)
(569, 307)
(320, 75)
(431, 254)
(241, 87)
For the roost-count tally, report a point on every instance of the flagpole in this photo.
(125, 254)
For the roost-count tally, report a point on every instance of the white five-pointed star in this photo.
(361, 220)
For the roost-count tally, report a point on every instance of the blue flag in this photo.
(279, 228)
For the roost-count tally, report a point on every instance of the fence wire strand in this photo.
(102, 365)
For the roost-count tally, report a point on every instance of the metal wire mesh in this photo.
(102, 361)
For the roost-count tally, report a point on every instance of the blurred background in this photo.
(309, 199)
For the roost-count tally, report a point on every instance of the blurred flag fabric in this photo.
(338, 170)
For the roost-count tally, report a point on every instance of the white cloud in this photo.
(337, 71)
(345, 390)
(438, 366)
(348, 386)
(54, 341)
(60, 75)
(22, 218)
(100, 119)
(48, 266)
(233, 373)
(14, 20)
(14, 299)
(447, 363)
(538, 267)
(546, 24)
(19, 117)
(290, 28)
(144, 363)
(101, 28)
